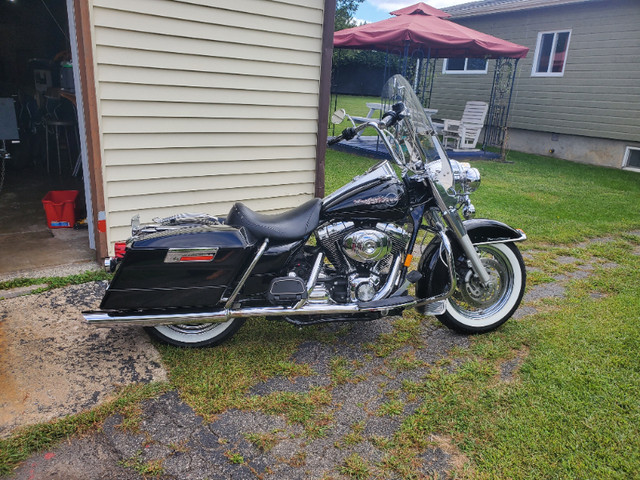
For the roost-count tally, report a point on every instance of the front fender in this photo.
(483, 230)
(435, 279)
(435, 275)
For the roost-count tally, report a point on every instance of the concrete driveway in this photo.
(52, 364)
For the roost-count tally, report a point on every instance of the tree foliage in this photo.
(345, 10)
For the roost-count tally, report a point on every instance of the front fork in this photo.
(454, 222)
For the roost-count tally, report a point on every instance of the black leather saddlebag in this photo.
(189, 267)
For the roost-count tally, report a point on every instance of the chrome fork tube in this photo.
(454, 222)
(456, 225)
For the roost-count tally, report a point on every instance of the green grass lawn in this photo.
(572, 408)
(354, 106)
(574, 411)
(552, 200)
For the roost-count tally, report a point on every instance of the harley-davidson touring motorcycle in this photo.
(193, 280)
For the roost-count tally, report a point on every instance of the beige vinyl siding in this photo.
(203, 103)
(599, 94)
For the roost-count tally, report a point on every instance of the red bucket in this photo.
(60, 207)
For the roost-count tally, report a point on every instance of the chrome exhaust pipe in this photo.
(108, 319)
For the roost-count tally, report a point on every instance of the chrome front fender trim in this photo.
(521, 238)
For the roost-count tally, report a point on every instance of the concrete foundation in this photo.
(594, 151)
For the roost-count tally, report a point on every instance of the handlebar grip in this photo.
(347, 134)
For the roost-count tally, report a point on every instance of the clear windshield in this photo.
(415, 135)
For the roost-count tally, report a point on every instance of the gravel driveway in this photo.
(75, 367)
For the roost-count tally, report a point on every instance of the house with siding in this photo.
(193, 105)
(577, 94)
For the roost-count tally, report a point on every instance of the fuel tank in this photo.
(188, 267)
(377, 194)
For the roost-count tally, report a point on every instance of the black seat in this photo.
(289, 226)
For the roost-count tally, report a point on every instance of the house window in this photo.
(464, 65)
(551, 54)
(632, 158)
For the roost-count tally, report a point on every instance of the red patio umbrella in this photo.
(421, 27)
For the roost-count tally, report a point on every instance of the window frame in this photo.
(627, 157)
(465, 71)
(536, 57)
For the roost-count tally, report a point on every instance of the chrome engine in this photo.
(364, 253)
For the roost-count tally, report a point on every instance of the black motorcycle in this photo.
(193, 280)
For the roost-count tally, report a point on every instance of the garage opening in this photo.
(40, 148)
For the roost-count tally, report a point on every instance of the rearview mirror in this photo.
(338, 116)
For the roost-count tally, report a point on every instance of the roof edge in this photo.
(489, 7)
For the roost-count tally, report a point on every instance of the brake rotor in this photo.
(473, 292)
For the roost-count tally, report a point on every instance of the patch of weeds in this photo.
(299, 459)
(403, 462)
(306, 409)
(56, 282)
(179, 447)
(291, 369)
(34, 438)
(538, 277)
(152, 468)
(214, 379)
(380, 442)
(355, 466)
(355, 435)
(500, 346)
(131, 418)
(343, 371)
(414, 390)
(234, 457)
(406, 361)
(406, 332)
(392, 408)
(263, 441)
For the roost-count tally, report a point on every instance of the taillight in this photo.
(120, 250)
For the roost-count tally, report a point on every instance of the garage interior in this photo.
(36, 74)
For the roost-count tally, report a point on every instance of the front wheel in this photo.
(194, 336)
(474, 308)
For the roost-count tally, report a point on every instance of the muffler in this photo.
(103, 318)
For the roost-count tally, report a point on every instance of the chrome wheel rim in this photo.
(476, 302)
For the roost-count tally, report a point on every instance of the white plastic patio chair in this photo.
(464, 133)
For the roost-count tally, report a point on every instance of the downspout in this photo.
(324, 97)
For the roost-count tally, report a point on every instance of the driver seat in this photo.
(289, 226)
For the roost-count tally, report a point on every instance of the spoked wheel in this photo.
(474, 308)
(193, 336)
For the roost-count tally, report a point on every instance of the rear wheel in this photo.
(194, 336)
(474, 308)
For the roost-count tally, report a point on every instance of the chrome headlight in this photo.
(467, 178)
